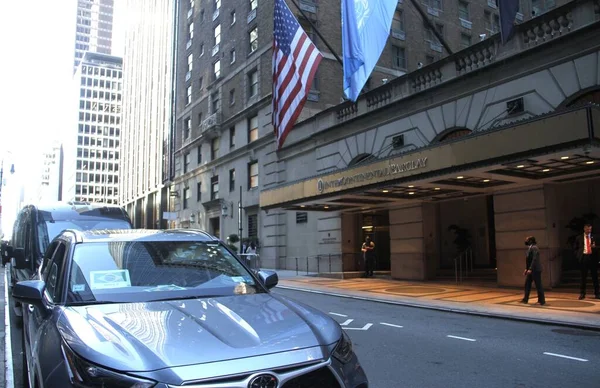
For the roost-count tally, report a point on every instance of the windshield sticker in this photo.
(110, 279)
(166, 287)
(238, 279)
(78, 287)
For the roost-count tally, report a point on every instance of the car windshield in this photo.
(137, 271)
(47, 230)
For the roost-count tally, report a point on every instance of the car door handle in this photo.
(31, 308)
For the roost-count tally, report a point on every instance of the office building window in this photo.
(186, 162)
(217, 34)
(233, 17)
(231, 137)
(252, 129)
(232, 97)
(253, 83)
(188, 99)
(398, 21)
(232, 53)
(463, 10)
(217, 4)
(191, 31)
(232, 179)
(253, 175)
(399, 57)
(214, 188)
(214, 148)
(253, 4)
(186, 197)
(253, 36)
(187, 127)
(217, 69)
(199, 150)
(199, 191)
(301, 217)
(465, 40)
(190, 62)
(253, 225)
(215, 102)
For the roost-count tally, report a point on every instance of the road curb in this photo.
(449, 310)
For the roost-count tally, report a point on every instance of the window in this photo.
(463, 10)
(217, 34)
(201, 49)
(253, 225)
(398, 21)
(398, 57)
(199, 191)
(253, 39)
(232, 53)
(465, 40)
(199, 118)
(231, 137)
(232, 179)
(496, 23)
(186, 162)
(187, 126)
(190, 62)
(188, 99)
(253, 82)
(301, 217)
(186, 197)
(214, 148)
(253, 175)
(538, 7)
(199, 154)
(217, 4)
(200, 83)
(190, 31)
(215, 102)
(214, 188)
(435, 4)
(232, 97)
(252, 129)
(253, 4)
(233, 17)
(217, 69)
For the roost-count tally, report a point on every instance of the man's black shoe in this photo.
(582, 296)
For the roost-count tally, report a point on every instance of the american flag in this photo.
(295, 61)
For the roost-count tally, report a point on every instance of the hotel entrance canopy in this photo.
(557, 147)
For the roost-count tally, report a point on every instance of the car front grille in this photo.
(320, 378)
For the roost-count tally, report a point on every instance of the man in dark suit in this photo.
(586, 254)
(533, 271)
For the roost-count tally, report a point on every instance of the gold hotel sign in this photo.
(376, 175)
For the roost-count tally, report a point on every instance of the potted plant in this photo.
(232, 240)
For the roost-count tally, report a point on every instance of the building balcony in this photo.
(211, 126)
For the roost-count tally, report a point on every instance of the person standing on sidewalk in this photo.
(368, 249)
(585, 251)
(533, 271)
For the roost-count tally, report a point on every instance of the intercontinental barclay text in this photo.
(392, 169)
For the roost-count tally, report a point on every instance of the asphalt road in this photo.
(411, 347)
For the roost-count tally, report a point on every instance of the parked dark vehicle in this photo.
(37, 225)
(150, 308)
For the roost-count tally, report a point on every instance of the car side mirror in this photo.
(20, 262)
(30, 292)
(268, 278)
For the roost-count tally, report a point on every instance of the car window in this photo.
(149, 271)
(47, 257)
(51, 274)
(49, 229)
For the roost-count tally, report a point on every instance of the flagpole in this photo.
(318, 33)
(431, 26)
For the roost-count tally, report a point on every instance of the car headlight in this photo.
(343, 350)
(84, 374)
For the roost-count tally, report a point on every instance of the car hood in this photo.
(156, 335)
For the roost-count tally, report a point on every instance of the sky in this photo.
(37, 43)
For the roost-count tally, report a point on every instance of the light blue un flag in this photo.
(365, 28)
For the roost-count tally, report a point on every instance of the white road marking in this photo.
(365, 327)
(8, 365)
(339, 315)
(348, 321)
(461, 338)
(563, 356)
(390, 324)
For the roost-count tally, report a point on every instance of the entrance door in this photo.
(215, 227)
(377, 226)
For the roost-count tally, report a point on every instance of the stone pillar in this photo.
(350, 242)
(273, 240)
(518, 214)
(407, 248)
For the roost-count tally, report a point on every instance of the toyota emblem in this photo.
(264, 381)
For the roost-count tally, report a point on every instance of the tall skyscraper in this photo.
(51, 180)
(94, 28)
(147, 118)
(92, 153)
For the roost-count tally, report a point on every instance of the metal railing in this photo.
(251, 259)
(466, 258)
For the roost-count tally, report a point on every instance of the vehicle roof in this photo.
(128, 235)
(70, 210)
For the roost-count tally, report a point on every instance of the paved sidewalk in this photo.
(562, 306)
(5, 341)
